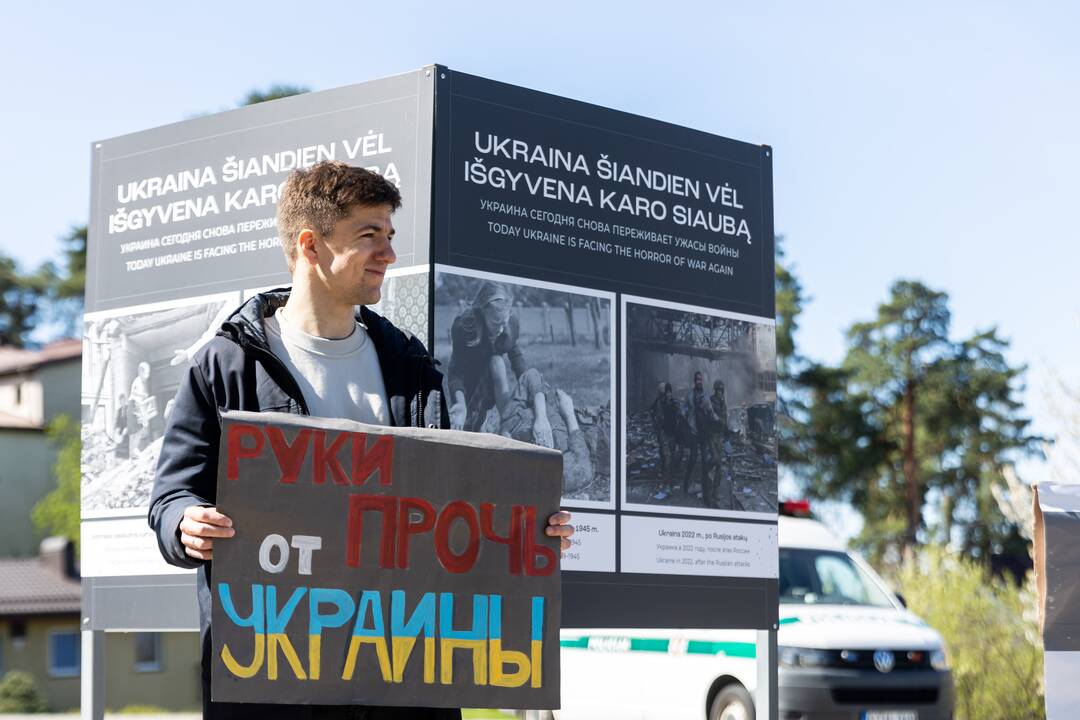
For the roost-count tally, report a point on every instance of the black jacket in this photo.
(237, 371)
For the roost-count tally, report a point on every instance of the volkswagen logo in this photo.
(884, 661)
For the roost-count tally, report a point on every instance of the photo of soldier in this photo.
(484, 331)
(533, 364)
(700, 390)
(665, 417)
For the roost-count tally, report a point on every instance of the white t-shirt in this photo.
(339, 378)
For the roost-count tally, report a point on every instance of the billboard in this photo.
(591, 281)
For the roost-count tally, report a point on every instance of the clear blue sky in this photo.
(936, 141)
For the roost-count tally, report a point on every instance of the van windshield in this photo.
(823, 577)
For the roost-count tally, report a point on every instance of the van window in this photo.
(823, 577)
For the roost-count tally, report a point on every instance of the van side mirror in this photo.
(900, 597)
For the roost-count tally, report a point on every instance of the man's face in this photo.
(353, 259)
(697, 381)
(496, 313)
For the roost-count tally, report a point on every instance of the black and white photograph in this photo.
(532, 361)
(133, 362)
(699, 410)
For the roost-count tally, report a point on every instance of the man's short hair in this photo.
(318, 197)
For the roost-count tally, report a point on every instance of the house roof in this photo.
(18, 360)
(28, 586)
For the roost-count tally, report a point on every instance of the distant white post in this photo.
(92, 694)
(765, 697)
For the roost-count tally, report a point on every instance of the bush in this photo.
(18, 694)
(991, 634)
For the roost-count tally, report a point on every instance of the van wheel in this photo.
(732, 703)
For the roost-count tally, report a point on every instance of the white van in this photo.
(848, 650)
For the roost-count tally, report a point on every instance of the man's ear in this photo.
(306, 249)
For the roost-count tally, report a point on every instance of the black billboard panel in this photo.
(541, 186)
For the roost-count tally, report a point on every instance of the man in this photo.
(484, 331)
(665, 414)
(144, 406)
(699, 416)
(120, 428)
(305, 352)
(524, 415)
(717, 440)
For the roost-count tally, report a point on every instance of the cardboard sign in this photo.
(384, 566)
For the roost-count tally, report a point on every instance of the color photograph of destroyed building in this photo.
(132, 366)
(699, 414)
(532, 361)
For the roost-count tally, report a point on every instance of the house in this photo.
(35, 387)
(40, 603)
(40, 595)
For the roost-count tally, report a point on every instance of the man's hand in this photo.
(559, 526)
(199, 528)
(458, 414)
(542, 433)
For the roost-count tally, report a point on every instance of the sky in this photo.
(932, 141)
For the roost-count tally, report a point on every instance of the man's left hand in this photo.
(559, 526)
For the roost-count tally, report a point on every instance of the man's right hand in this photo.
(199, 528)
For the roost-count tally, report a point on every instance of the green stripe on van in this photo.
(731, 649)
(693, 647)
(788, 620)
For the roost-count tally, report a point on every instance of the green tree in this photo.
(981, 420)
(21, 299)
(790, 299)
(274, 92)
(892, 359)
(911, 418)
(63, 288)
(58, 512)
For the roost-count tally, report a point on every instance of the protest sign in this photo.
(384, 566)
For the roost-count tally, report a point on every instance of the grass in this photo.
(484, 715)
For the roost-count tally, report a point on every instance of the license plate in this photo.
(890, 715)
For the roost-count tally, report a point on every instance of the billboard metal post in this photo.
(765, 703)
(92, 679)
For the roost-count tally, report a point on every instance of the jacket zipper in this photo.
(420, 395)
